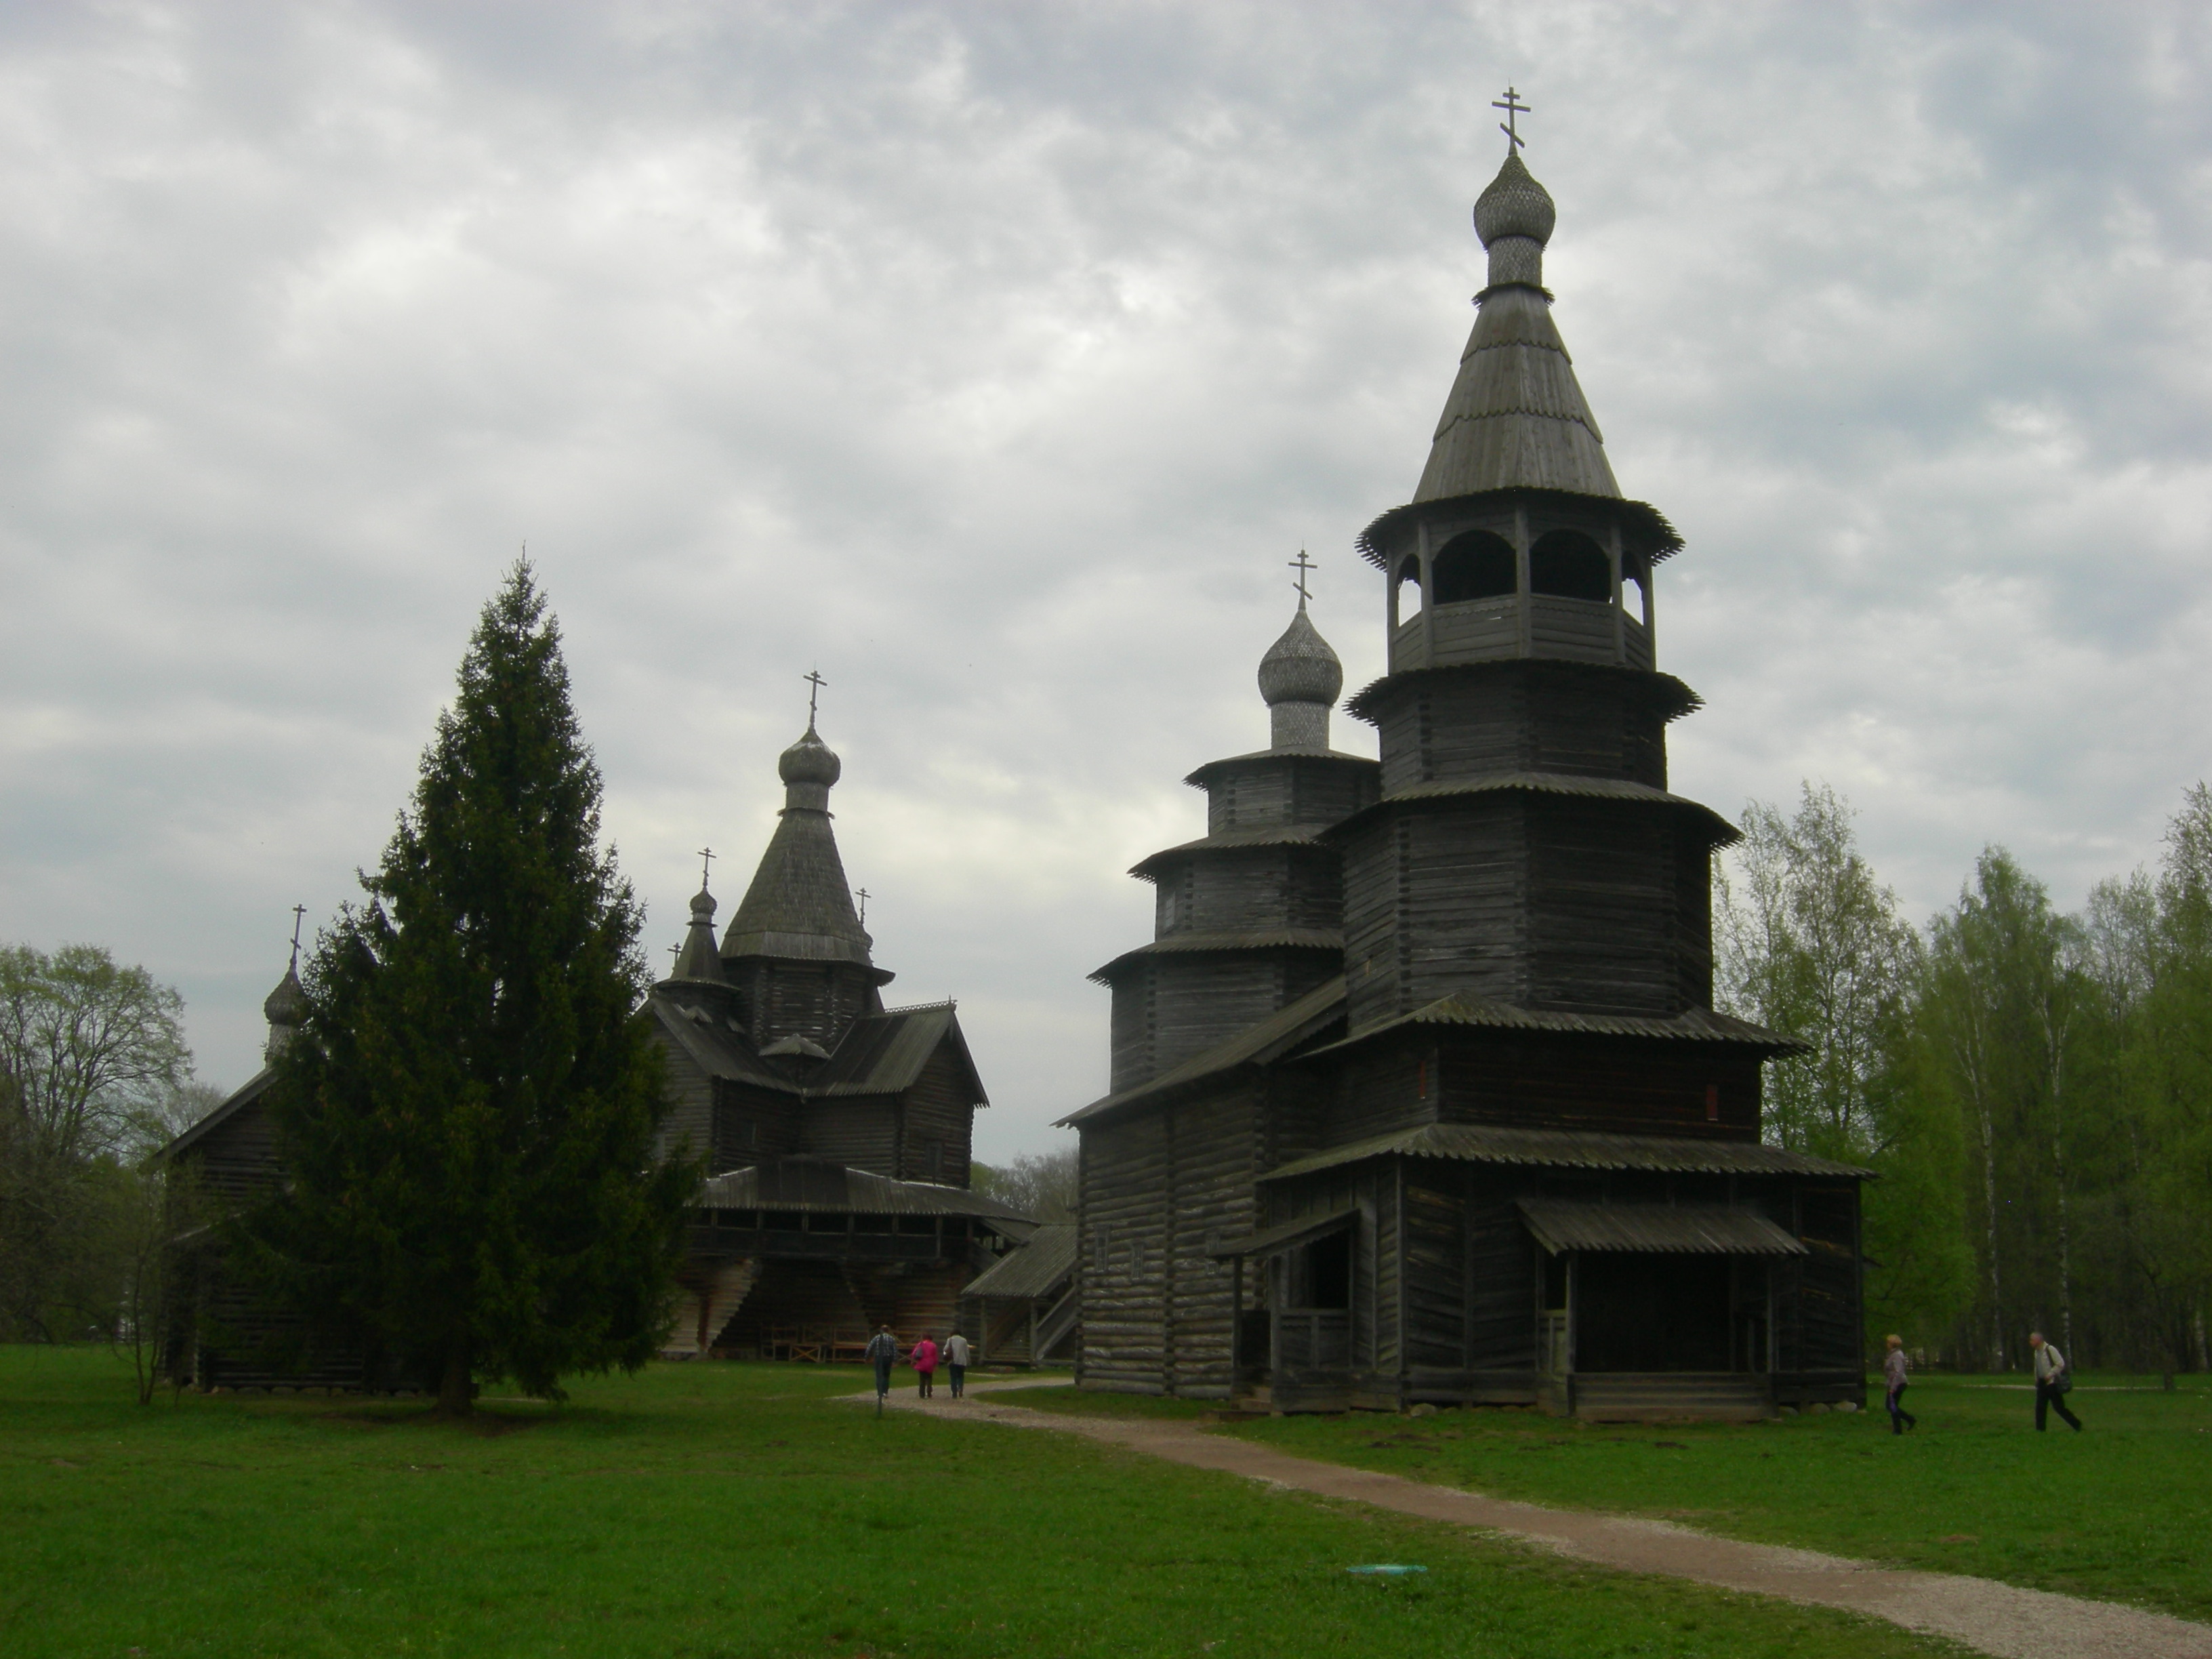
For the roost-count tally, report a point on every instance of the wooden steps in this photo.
(1660, 1396)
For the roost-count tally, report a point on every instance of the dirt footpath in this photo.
(1980, 1613)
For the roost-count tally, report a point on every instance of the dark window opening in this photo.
(1409, 589)
(1569, 564)
(1326, 1270)
(1555, 1283)
(1477, 565)
(783, 1221)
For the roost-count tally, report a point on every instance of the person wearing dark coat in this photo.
(2052, 1379)
(881, 1352)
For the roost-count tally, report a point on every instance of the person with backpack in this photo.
(1894, 1374)
(923, 1359)
(956, 1355)
(881, 1352)
(2053, 1377)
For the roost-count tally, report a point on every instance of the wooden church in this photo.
(1417, 1092)
(841, 1129)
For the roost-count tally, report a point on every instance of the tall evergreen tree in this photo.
(467, 1115)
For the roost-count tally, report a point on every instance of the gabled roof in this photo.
(1255, 1045)
(1692, 1025)
(879, 1053)
(1037, 1268)
(233, 1103)
(1574, 1148)
(884, 1053)
(821, 1187)
(716, 1044)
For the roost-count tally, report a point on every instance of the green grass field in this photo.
(2122, 1511)
(739, 1509)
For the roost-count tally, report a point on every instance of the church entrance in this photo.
(1654, 1312)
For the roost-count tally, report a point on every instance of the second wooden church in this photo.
(1418, 1092)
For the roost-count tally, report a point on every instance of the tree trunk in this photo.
(456, 1396)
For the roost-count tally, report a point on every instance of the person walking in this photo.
(2053, 1376)
(924, 1361)
(1894, 1374)
(881, 1352)
(956, 1357)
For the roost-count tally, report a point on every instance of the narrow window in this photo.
(1569, 564)
(1476, 565)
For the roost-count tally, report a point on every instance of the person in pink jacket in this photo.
(924, 1361)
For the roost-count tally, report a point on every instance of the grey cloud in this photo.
(994, 359)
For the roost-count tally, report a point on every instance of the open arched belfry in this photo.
(1418, 1093)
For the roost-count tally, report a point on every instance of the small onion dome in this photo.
(1300, 667)
(287, 1004)
(1515, 204)
(702, 901)
(810, 761)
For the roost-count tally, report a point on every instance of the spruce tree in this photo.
(467, 1114)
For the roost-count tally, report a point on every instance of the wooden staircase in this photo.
(1661, 1396)
(709, 1306)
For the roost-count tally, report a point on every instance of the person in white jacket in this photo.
(956, 1356)
(2050, 1381)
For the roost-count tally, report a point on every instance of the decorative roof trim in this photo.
(1233, 841)
(1674, 698)
(1548, 783)
(1333, 756)
(1657, 539)
(1693, 1025)
(1279, 938)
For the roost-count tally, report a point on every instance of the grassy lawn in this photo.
(737, 1509)
(2122, 1511)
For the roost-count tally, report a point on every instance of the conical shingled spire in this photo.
(1516, 417)
(798, 907)
(700, 959)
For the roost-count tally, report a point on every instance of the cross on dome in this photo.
(815, 682)
(1513, 108)
(706, 863)
(1304, 567)
(299, 915)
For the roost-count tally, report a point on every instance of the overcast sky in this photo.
(995, 358)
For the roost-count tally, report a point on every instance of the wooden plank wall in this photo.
(940, 1112)
(1276, 789)
(751, 1124)
(1522, 717)
(1212, 1198)
(1128, 1172)
(1620, 1086)
(861, 1133)
(692, 1120)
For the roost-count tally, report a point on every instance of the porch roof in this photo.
(1288, 1236)
(1656, 1228)
(1576, 1149)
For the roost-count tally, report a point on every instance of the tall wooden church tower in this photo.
(1419, 1093)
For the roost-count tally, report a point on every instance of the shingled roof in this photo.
(799, 907)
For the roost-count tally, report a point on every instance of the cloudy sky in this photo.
(995, 358)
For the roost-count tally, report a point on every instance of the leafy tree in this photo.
(91, 1054)
(468, 1114)
(1041, 1184)
(1811, 945)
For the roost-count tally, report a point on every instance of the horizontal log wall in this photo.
(1620, 1086)
(941, 1118)
(1521, 717)
(1272, 790)
(1212, 1199)
(1127, 1174)
(753, 1124)
(861, 1133)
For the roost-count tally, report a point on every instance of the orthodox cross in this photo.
(1305, 567)
(707, 859)
(675, 951)
(863, 897)
(1513, 108)
(815, 683)
(299, 915)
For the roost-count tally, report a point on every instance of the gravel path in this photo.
(1985, 1615)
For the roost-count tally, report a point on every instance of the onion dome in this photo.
(1515, 204)
(286, 1010)
(810, 761)
(1299, 679)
